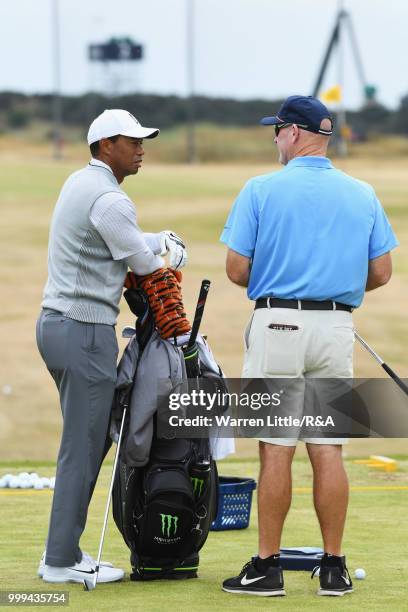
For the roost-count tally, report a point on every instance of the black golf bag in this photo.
(164, 509)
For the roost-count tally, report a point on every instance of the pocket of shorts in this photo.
(342, 356)
(282, 353)
(247, 332)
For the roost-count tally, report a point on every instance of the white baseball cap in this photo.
(114, 122)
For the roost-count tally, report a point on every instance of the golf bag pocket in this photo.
(165, 451)
(167, 521)
(282, 351)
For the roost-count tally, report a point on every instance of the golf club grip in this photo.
(396, 378)
(202, 298)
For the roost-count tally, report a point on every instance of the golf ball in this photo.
(360, 573)
(7, 390)
(3, 483)
(14, 482)
(38, 485)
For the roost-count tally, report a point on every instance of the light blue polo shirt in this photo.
(309, 230)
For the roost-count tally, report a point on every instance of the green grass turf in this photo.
(376, 536)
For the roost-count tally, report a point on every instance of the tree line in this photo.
(18, 110)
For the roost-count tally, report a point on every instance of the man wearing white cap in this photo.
(94, 239)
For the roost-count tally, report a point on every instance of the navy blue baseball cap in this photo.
(305, 111)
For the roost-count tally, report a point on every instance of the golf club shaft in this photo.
(202, 298)
(105, 521)
(368, 348)
(382, 363)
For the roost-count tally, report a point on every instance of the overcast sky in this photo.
(243, 48)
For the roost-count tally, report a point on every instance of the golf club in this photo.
(90, 584)
(202, 297)
(382, 363)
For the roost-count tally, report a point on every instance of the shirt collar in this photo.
(312, 161)
(98, 162)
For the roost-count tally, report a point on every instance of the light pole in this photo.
(56, 98)
(191, 140)
(341, 113)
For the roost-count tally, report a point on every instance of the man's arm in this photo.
(114, 217)
(379, 271)
(238, 268)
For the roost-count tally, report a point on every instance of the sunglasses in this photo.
(279, 127)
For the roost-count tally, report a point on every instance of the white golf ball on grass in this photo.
(14, 482)
(33, 478)
(360, 573)
(7, 479)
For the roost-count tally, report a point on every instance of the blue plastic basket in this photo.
(234, 503)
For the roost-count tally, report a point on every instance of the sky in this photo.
(242, 48)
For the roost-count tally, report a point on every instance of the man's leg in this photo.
(82, 360)
(330, 493)
(274, 495)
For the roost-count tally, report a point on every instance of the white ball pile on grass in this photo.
(25, 480)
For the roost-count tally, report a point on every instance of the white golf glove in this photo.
(173, 245)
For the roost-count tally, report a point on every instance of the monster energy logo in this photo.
(197, 485)
(167, 521)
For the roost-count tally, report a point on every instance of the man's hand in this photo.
(173, 245)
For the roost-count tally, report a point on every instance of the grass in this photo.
(194, 201)
(214, 143)
(376, 529)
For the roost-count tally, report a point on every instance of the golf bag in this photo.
(165, 505)
(164, 510)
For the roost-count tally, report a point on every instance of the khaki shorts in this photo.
(321, 347)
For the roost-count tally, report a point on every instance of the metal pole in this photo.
(56, 100)
(191, 140)
(356, 52)
(341, 113)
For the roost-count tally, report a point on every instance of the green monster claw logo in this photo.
(167, 521)
(197, 485)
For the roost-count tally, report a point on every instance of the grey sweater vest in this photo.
(84, 281)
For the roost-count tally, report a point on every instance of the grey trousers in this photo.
(81, 358)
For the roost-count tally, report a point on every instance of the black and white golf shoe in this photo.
(252, 582)
(334, 576)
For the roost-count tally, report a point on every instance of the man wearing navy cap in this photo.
(307, 242)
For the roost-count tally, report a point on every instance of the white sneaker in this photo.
(81, 571)
(85, 557)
